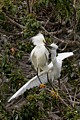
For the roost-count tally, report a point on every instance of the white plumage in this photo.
(43, 76)
(57, 61)
(39, 55)
(38, 39)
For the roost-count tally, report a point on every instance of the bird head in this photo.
(53, 46)
(38, 39)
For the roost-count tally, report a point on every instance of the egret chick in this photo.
(39, 55)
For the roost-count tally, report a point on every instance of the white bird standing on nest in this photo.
(39, 55)
(43, 77)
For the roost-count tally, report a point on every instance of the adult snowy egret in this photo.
(39, 55)
(43, 76)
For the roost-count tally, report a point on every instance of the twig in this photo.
(56, 32)
(28, 6)
(68, 93)
(64, 102)
(60, 98)
(74, 19)
(8, 33)
(48, 20)
(68, 42)
(42, 21)
(15, 23)
(64, 47)
(74, 97)
(5, 32)
(64, 77)
(68, 99)
(64, 30)
(75, 50)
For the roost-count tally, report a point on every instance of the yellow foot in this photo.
(42, 86)
(54, 94)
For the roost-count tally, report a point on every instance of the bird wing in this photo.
(62, 56)
(30, 84)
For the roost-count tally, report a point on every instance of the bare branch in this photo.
(15, 23)
(75, 97)
(56, 32)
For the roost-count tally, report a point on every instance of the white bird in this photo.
(43, 76)
(56, 69)
(39, 55)
(57, 62)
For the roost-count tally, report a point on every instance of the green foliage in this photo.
(3, 113)
(61, 9)
(38, 102)
(8, 67)
(1, 4)
(9, 6)
(71, 115)
(42, 3)
(32, 26)
(16, 79)
(78, 17)
(7, 2)
(24, 46)
(37, 106)
(2, 17)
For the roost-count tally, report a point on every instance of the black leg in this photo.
(49, 81)
(38, 76)
(59, 83)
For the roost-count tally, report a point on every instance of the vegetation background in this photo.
(59, 21)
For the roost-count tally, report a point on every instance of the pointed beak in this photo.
(48, 46)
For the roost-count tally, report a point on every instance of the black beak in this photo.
(48, 46)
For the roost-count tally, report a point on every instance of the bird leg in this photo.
(49, 80)
(38, 76)
(59, 83)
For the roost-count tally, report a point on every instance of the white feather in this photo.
(64, 55)
(57, 61)
(39, 55)
(38, 39)
(30, 84)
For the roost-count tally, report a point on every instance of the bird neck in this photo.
(40, 45)
(53, 56)
(53, 53)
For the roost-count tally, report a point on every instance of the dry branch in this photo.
(15, 23)
(69, 42)
(56, 32)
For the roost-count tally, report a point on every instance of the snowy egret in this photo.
(39, 55)
(57, 62)
(43, 76)
(55, 71)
